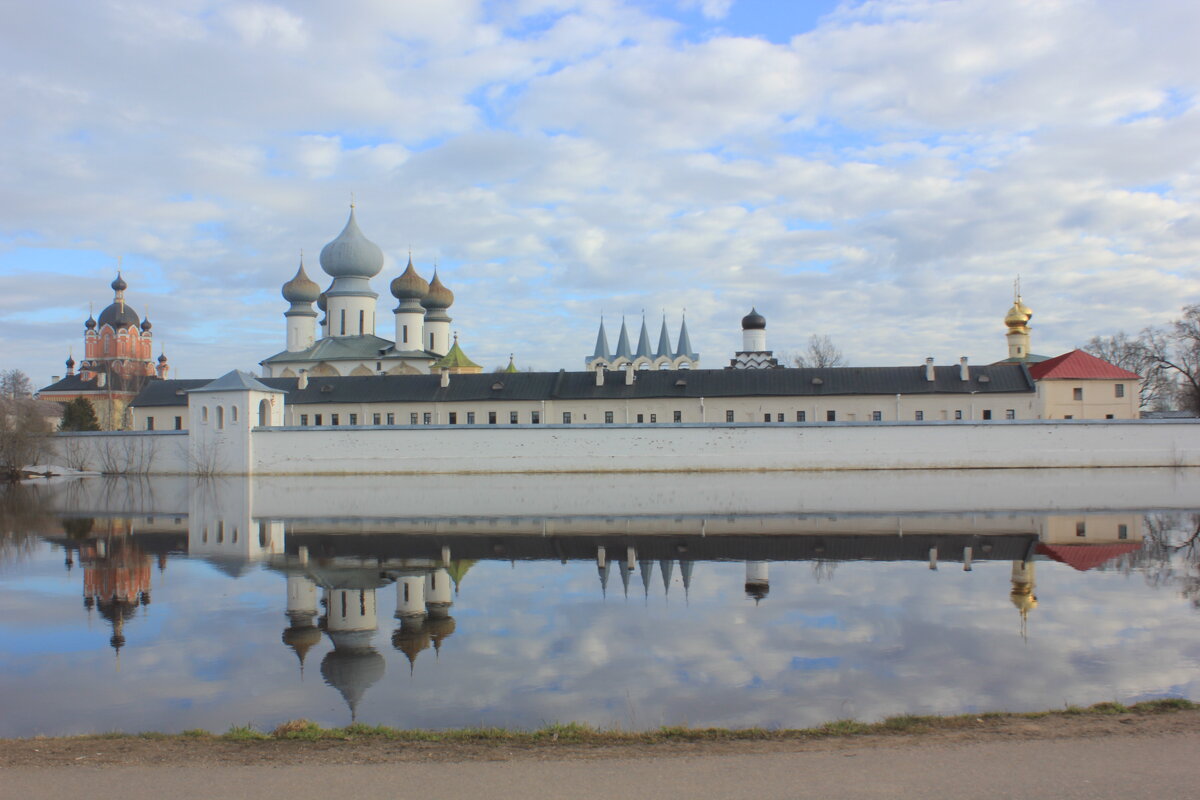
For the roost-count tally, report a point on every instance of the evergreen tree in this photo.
(79, 415)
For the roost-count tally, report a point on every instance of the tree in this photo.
(1156, 389)
(1176, 349)
(79, 415)
(821, 352)
(23, 426)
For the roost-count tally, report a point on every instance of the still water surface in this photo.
(632, 603)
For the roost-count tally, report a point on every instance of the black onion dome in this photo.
(754, 321)
(119, 284)
(410, 285)
(119, 315)
(162, 358)
(70, 362)
(146, 325)
(301, 288)
(439, 296)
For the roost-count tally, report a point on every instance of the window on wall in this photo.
(470, 417)
(412, 418)
(987, 413)
(876, 416)
(677, 417)
(608, 417)
(491, 418)
(391, 418)
(831, 416)
(1080, 529)
(513, 417)
(149, 423)
(362, 322)
(343, 320)
(333, 419)
(919, 415)
(179, 423)
(779, 417)
(1077, 393)
(204, 414)
(958, 413)
(766, 417)
(801, 416)
(304, 419)
(431, 341)
(1119, 389)
(354, 419)
(1109, 416)
(1122, 531)
(566, 418)
(317, 420)
(427, 418)
(653, 418)
(233, 413)
(1010, 413)
(640, 418)
(220, 416)
(376, 419)
(535, 417)
(729, 416)
(453, 418)
(404, 334)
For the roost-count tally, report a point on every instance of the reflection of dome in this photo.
(352, 667)
(754, 321)
(411, 638)
(410, 285)
(351, 255)
(440, 628)
(301, 636)
(1023, 599)
(758, 591)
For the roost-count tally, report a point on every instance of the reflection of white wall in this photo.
(220, 523)
(350, 609)
(410, 595)
(301, 595)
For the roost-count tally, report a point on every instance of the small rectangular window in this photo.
(412, 418)
(333, 419)
(1109, 416)
(179, 423)
(427, 418)
(431, 341)
(149, 423)
(641, 418)
(653, 418)
(987, 413)
(512, 417)
(608, 417)
(535, 418)
(801, 416)
(453, 418)
(317, 419)
(831, 416)
(491, 418)
(958, 413)
(729, 416)
(1080, 529)
(766, 417)
(354, 419)
(404, 334)
(379, 366)
(343, 318)
(1120, 389)
(566, 418)
(1010, 413)
(376, 419)
(1078, 392)
(470, 417)
(679, 417)
(391, 418)
(1068, 416)
(304, 419)
(204, 414)
(919, 416)
(779, 417)
(876, 416)
(1122, 531)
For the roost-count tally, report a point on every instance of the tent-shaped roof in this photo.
(237, 381)
(1078, 365)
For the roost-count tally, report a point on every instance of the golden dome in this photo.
(1024, 600)
(1018, 316)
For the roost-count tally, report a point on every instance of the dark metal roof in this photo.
(648, 384)
(75, 384)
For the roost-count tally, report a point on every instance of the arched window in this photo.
(204, 414)
(264, 413)
(221, 532)
(220, 416)
(233, 411)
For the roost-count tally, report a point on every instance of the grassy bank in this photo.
(575, 733)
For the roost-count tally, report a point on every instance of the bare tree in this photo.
(821, 352)
(24, 427)
(1176, 349)
(1157, 387)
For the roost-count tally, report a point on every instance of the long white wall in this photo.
(125, 452)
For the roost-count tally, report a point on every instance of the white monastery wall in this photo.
(130, 452)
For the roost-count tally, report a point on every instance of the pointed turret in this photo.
(664, 341)
(684, 343)
(666, 566)
(601, 352)
(643, 348)
(512, 367)
(623, 350)
(646, 569)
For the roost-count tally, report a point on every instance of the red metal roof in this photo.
(1085, 556)
(1078, 365)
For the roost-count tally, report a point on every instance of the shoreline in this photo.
(301, 741)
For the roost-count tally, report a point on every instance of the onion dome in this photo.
(90, 324)
(162, 358)
(439, 296)
(1018, 316)
(70, 362)
(119, 284)
(301, 288)
(119, 315)
(410, 285)
(351, 255)
(754, 321)
(146, 325)
(322, 302)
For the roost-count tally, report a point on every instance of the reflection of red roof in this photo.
(1085, 556)
(1078, 365)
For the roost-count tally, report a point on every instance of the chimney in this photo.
(55, 378)
(929, 369)
(599, 374)
(445, 377)
(629, 374)
(964, 374)
(302, 381)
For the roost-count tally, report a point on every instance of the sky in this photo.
(878, 172)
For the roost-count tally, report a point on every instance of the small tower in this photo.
(437, 321)
(1017, 322)
(601, 354)
(351, 260)
(754, 353)
(411, 290)
(301, 292)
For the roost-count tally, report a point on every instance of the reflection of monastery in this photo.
(337, 371)
(334, 571)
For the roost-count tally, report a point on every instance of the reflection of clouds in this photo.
(537, 643)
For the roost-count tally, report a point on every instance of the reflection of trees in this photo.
(1170, 554)
(22, 517)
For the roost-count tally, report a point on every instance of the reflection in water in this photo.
(328, 574)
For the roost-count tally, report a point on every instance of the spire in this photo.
(685, 341)
(643, 341)
(602, 567)
(623, 568)
(646, 569)
(601, 350)
(685, 571)
(664, 340)
(512, 367)
(623, 343)
(665, 566)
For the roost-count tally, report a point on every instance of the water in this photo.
(775, 600)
